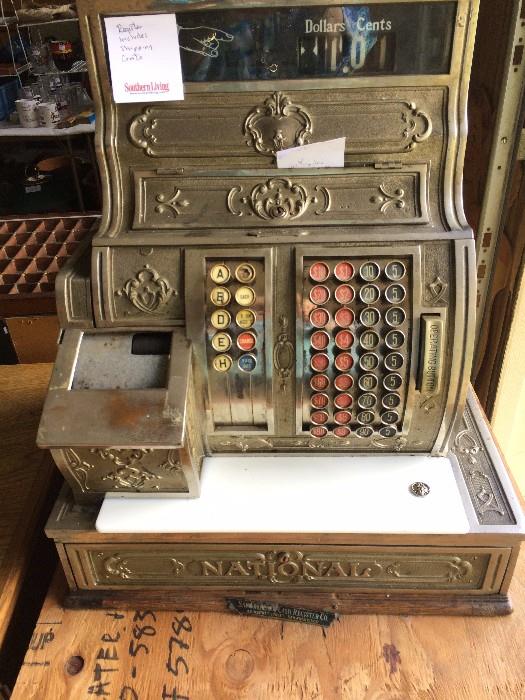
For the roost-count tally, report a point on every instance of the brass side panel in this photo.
(139, 286)
(92, 472)
(454, 569)
(359, 196)
(475, 455)
(73, 292)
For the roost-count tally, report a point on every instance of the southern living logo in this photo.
(147, 88)
(323, 26)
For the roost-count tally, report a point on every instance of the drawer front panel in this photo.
(307, 567)
(256, 125)
(362, 196)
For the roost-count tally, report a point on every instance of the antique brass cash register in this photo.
(263, 373)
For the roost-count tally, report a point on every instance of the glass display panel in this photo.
(334, 41)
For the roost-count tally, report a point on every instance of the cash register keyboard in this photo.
(357, 320)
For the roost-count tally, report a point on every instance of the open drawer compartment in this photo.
(120, 414)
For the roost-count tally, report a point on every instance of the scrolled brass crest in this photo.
(277, 199)
(147, 291)
(276, 124)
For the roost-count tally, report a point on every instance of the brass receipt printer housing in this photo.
(313, 311)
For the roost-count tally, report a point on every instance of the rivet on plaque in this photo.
(220, 274)
(245, 273)
(245, 296)
(220, 296)
(222, 363)
(221, 342)
(220, 319)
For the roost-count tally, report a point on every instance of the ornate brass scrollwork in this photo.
(277, 124)
(283, 354)
(277, 199)
(147, 291)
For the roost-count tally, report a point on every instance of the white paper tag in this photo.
(144, 58)
(325, 154)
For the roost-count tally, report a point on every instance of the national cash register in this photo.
(263, 373)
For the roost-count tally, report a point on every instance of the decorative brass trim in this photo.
(268, 125)
(167, 204)
(436, 291)
(147, 291)
(386, 199)
(283, 354)
(416, 132)
(481, 479)
(341, 569)
(277, 198)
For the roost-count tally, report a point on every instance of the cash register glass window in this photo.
(316, 41)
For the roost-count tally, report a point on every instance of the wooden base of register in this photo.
(449, 574)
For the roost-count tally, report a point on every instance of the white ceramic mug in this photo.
(48, 114)
(27, 113)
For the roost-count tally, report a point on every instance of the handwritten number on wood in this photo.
(183, 624)
(141, 615)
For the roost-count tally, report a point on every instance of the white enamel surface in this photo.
(302, 494)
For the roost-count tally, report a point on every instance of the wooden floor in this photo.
(24, 482)
(77, 655)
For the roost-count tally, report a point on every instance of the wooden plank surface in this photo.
(24, 475)
(141, 655)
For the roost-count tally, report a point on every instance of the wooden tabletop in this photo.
(153, 655)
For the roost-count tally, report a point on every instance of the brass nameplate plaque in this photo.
(432, 330)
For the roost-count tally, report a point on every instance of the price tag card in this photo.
(144, 58)
(325, 154)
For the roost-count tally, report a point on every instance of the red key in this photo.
(318, 431)
(343, 382)
(319, 294)
(246, 341)
(319, 271)
(344, 340)
(342, 431)
(344, 271)
(319, 340)
(319, 417)
(319, 362)
(344, 293)
(342, 417)
(319, 318)
(319, 400)
(344, 317)
(344, 362)
(319, 382)
(343, 401)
